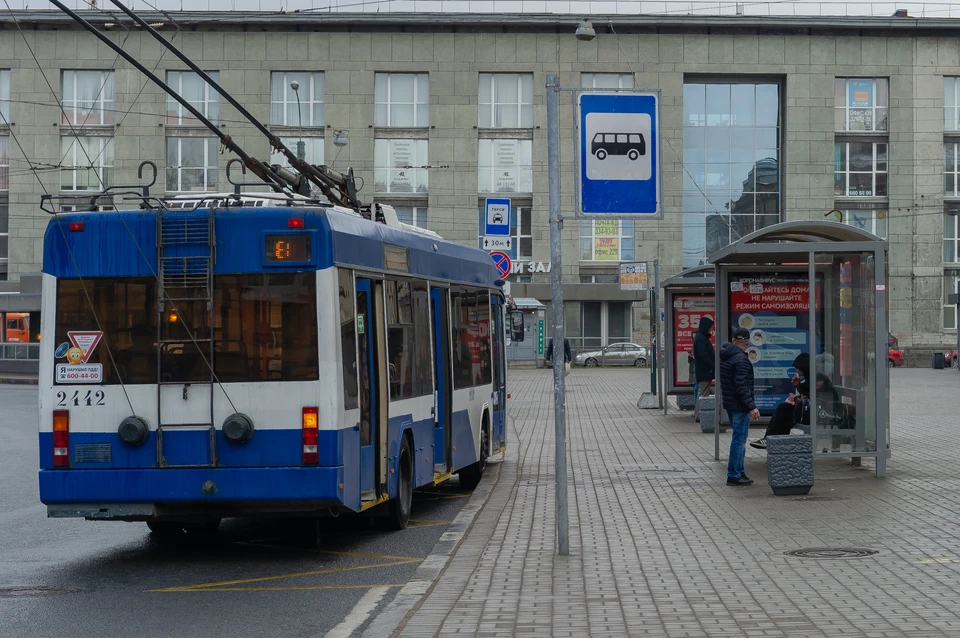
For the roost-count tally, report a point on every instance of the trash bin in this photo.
(790, 464)
(938, 361)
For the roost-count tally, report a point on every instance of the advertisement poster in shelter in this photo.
(775, 308)
(688, 310)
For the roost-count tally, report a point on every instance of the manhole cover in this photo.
(832, 552)
(34, 592)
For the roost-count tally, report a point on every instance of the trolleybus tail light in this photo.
(76, 227)
(295, 222)
(310, 435)
(61, 438)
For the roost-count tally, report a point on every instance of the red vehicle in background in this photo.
(894, 354)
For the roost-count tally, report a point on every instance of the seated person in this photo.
(782, 420)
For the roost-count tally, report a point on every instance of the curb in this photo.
(19, 381)
(425, 578)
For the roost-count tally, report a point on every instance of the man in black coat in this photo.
(736, 387)
(704, 363)
(567, 356)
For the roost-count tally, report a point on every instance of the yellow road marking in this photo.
(291, 588)
(935, 561)
(262, 579)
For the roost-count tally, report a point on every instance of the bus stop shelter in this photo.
(687, 297)
(763, 285)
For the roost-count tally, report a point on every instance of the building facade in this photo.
(763, 120)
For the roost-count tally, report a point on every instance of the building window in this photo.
(402, 99)
(191, 164)
(606, 240)
(860, 169)
(872, 221)
(4, 237)
(521, 230)
(4, 163)
(731, 158)
(861, 104)
(88, 98)
(399, 166)
(505, 166)
(313, 147)
(85, 163)
(506, 100)
(951, 104)
(286, 110)
(951, 237)
(198, 93)
(951, 169)
(5, 96)
(412, 215)
(606, 80)
(950, 286)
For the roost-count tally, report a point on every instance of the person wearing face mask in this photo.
(783, 418)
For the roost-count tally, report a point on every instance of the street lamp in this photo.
(585, 31)
(301, 146)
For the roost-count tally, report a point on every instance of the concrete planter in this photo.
(708, 407)
(685, 402)
(790, 464)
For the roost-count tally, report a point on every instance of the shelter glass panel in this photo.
(845, 394)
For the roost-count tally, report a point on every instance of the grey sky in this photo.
(595, 8)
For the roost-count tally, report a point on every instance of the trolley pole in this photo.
(556, 279)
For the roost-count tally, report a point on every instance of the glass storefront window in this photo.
(731, 155)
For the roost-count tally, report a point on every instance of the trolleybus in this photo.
(262, 360)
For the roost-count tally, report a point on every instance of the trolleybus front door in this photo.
(442, 381)
(366, 340)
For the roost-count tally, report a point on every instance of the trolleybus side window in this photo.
(423, 328)
(400, 339)
(348, 339)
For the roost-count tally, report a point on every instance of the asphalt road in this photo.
(253, 578)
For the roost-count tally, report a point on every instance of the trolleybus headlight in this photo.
(133, 431)
(238, 428)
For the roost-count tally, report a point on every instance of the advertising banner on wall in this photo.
(688, 310)
(775, 308)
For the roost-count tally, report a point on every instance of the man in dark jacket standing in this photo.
(736, 386)
(704, 363)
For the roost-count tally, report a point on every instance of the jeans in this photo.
(740, 424)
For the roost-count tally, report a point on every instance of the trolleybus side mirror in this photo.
(516, 325)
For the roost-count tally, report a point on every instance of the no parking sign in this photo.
(502, 261)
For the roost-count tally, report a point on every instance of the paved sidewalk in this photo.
(660, 546)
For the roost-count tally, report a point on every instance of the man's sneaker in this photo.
(760, 444)
(740, 481)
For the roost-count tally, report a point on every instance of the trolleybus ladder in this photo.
(186, 252)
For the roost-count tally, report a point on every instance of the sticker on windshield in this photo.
(77, 353)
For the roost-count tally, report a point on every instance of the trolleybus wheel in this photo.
(470, 476)
(400, 506)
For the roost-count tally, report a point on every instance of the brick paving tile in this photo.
(660, 546)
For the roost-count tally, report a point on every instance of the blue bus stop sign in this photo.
(620, 154)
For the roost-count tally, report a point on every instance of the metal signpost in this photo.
(618, 175)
